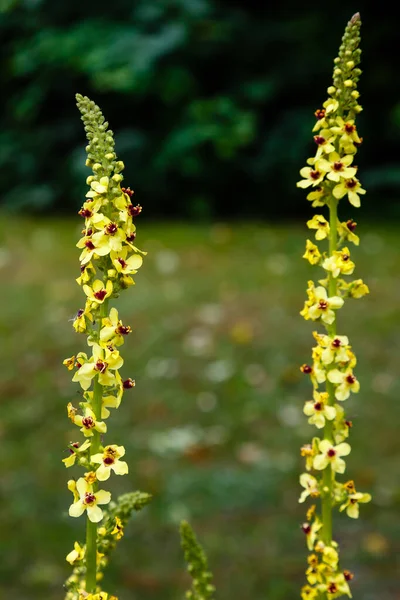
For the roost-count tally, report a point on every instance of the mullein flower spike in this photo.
(331, 176)
(109, 259)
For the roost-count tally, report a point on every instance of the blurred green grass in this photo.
(214, 425)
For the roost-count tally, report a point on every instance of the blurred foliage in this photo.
(212, 101)
(214, 425)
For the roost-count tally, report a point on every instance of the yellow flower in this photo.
(124, 265)
(337, 167)
(98, 187)
(71, 484)
(309, 451)
(311, 177)
(312, 254)
(348, 132)
(110, 235)
(118, 530)
(101, 363)
(351, 504)
(339, 263)
(88, 423)
(358, 289)
(330, 556)
(98, 293)
(87, 271)
(309, 593)
(335, 587)
(76, 554)
(89, 501)
(346, 232)
(346, 382)
(109, 461)
(75, 450)
(79, 323)
(315, 572)
(318, 410)
(324, 307)
(113, 330)
(319, 223)
(317, 197)
(90, 250)
(335, 349)
(69, 363)
(352, 188)
(311, 532)
(331, 455)
(324, 142)
(310, 485)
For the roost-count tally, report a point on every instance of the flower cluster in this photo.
(109, 260)
(331, 176)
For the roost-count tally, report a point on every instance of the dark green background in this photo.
(212, 102)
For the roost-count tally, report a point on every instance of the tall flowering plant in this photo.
(331, 176)
(109, 260)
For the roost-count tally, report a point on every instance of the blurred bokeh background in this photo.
(212, 106)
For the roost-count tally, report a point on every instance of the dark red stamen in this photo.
(100, 295)
(128, 384)
(88, 422)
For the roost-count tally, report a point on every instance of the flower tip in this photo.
(355, 18)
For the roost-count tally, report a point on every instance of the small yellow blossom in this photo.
(76, 554)
(319, 410)
(330, 556)
(102, 363)
(113, 330)
(352, 188)
(98, 292)
(324, 141)
(346, 382)
(339, 263)
(346, 231)
(98, 188)
(311, 531)
(118, 530)
(348, 134)
(317, 197)
(324, 307)
(331, 455)
(351, 504)
(89, 501)
(125, 265)
(309, 593)
(310, 485)
(88, 423)
(71, 484)
(75, 450)
(69, 363)
(311, 177)
(335, 587)
(358, 289)
(312, 254)
(337, 167)
(109, 461)
(319, 223)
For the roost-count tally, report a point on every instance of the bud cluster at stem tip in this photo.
(331, 176)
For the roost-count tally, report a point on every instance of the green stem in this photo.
(328, 478)
(91, 528)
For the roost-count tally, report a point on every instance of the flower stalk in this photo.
(331, 176)
(108, 261)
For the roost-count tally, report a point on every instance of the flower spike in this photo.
(108, 262)
(331, 176)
